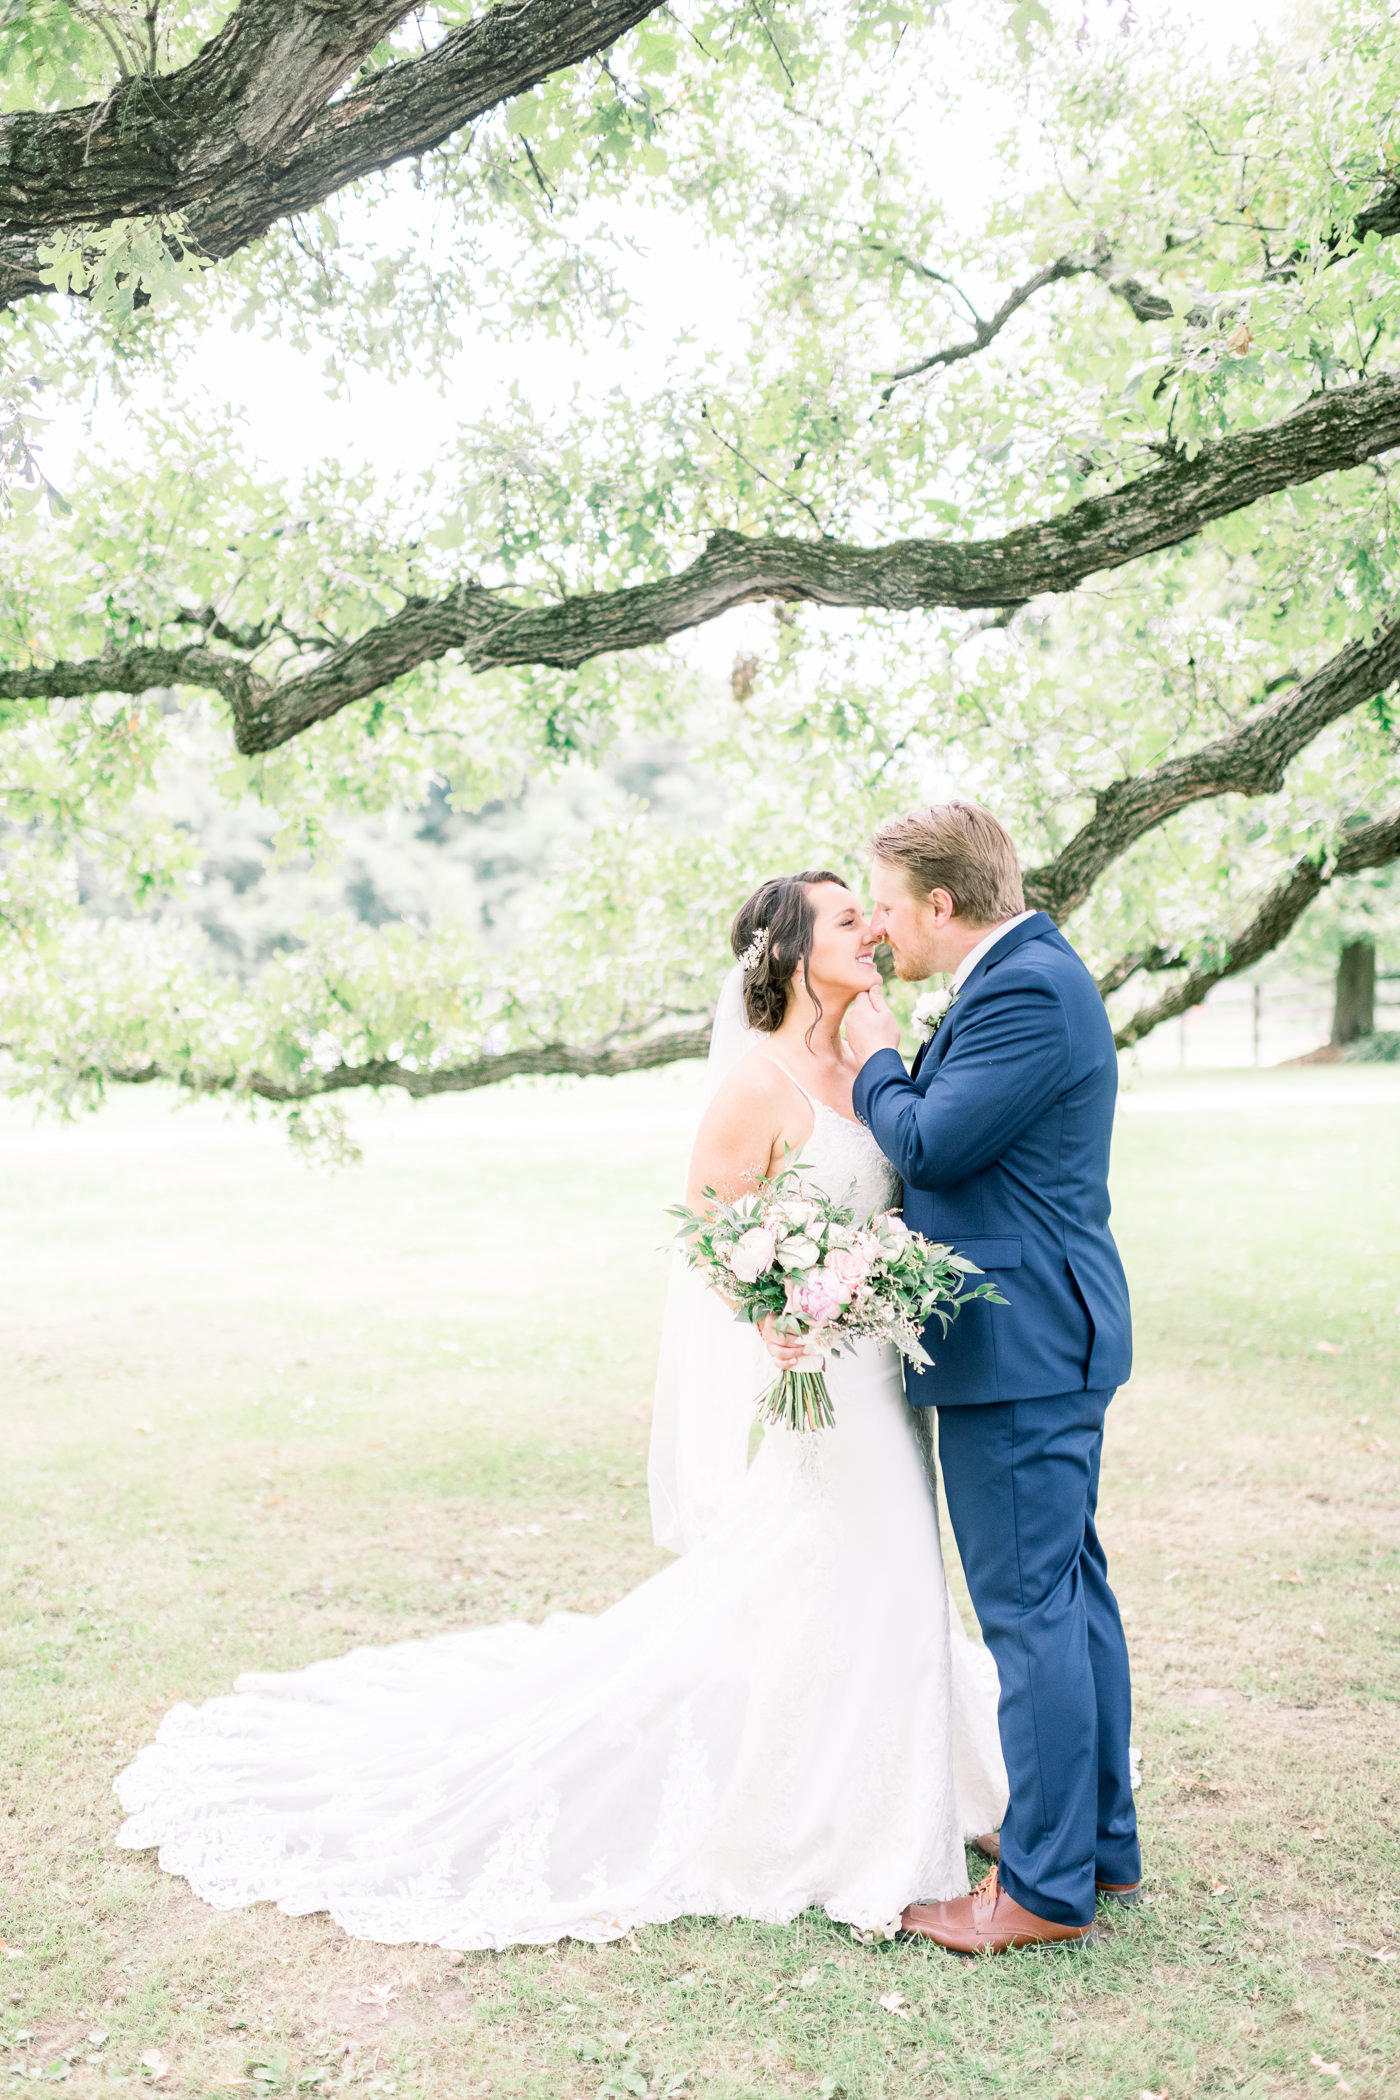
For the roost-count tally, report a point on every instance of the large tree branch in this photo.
(1251, 760)
(248, 132)
(1369, 846)
(160, 143)
(1160, 509)
(551, 1060)
(139, 671)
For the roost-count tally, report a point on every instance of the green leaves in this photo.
(149, 262)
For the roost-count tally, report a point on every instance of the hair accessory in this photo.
(755, 952)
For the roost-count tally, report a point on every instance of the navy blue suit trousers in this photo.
(1021, 1478)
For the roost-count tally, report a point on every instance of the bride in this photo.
(790, 1714)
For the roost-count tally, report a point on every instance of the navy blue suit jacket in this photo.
(1001, 1135)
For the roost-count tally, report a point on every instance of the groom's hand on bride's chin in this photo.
(870, 1026)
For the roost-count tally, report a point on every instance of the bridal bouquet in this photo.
(793, 1253)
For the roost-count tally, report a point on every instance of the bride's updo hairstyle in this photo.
(771, 935)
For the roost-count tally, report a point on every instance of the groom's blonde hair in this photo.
(961, 848)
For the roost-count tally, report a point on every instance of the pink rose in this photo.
(816, 1301)
(848, 1267)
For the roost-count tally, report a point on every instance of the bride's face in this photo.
(842, 946)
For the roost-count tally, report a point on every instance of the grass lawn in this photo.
(255, 1414)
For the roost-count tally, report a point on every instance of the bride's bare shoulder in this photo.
(743, 1128)
(754, 1087)
(756, 1077)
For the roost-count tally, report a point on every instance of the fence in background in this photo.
(1248, 1022)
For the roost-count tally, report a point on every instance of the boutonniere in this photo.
(929, 1011)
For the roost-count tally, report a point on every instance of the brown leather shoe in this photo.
(1124, 1892)
(987, 1922)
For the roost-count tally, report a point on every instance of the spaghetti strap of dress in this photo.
(810, 1099)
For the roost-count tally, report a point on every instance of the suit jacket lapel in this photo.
(1029, 930)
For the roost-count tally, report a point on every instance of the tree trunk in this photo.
(1354, 1013)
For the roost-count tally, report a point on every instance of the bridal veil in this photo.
(712, 1367)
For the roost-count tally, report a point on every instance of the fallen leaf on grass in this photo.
(807, 1979)
(380, 1994)
(895, 2002)
(1329, 2071)
(1194, 1782)
(158, 2065)
(11, 1953)
(1382, 1954)
(1328, 1349)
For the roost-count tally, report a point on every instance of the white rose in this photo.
(929, 1009)
(751, 1254)
(799, 1252)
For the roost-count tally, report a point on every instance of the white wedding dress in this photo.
(790, 1714)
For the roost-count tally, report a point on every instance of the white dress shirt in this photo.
(987, 942)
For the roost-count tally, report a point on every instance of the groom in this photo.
(1001, 1133)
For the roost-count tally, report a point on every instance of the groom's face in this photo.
(917, 927)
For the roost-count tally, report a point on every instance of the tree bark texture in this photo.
(1354, 1009)
(550, 1060)
(1163, 507)
(249, 133)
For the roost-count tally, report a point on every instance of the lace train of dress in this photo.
(790, 1714)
